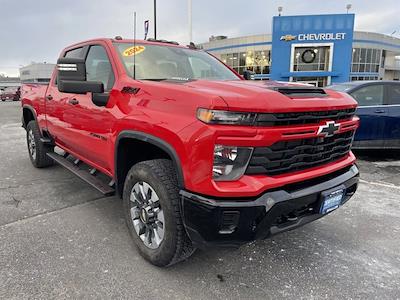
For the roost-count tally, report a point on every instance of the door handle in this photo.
(49, 97)
(73, 101)
(380, 111)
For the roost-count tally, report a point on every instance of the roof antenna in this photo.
(134, 45)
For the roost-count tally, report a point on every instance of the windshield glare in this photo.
(155, 62)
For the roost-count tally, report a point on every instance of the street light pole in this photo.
(190, 21)
(155, 19)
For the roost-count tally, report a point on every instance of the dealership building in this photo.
(36, 72)
(317, 49)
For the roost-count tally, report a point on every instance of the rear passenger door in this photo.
(392, 131)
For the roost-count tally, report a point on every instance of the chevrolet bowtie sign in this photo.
(288, 37)
(314, 37)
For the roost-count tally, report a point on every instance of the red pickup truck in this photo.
(200, 156)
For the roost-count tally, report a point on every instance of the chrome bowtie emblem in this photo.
(329, 129)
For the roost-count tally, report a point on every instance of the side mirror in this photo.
(248, 75)
(71, 77)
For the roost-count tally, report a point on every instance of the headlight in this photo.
(225, 117)
(230, 162)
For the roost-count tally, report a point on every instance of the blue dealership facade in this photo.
(315, 49)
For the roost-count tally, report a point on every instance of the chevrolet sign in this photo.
(314, 37)
(321, 36)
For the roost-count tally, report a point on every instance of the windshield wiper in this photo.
(171, 79)
(154, 79)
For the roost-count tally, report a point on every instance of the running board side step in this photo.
(95, 182)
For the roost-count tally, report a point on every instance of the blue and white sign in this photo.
(308, 47)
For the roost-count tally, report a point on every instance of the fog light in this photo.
(230, 162)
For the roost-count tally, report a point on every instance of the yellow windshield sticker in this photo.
(133, 50)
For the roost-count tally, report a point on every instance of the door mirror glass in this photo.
(71, 77)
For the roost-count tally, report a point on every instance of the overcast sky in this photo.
(36, 30)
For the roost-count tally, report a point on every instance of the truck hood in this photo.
(269, 96)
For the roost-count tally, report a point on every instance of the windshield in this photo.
(155, 62)
(340, 87)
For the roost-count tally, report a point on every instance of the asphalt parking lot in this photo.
(59, 238)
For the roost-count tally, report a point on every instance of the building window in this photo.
(256, 61)
(315, 81)
(366, 60)
(308, 59)
(360, 78)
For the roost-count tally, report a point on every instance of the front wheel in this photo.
(152, 212)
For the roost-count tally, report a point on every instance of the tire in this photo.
(36, 149)
(158, 177)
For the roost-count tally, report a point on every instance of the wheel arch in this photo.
(28, 114)
(144, 139)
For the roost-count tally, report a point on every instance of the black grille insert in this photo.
(295, 155)
(298, 118)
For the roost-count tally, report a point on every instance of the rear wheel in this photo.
(152, 212)
(37, 150)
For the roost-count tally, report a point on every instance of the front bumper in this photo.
(232, 222)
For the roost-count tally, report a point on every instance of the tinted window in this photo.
(394, 94)
(98, 67)
(369, 95)
(75, 53)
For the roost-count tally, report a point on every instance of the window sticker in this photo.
(134, 50)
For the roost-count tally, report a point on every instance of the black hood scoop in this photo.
(300, 92)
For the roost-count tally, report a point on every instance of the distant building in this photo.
(318, 50)
(6, 82)
(36, 72)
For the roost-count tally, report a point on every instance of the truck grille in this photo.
(299, 118)
(295, 155)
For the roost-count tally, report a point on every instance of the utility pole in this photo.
(155, 19)
(190, 21)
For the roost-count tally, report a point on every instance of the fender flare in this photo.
(32, 110)
(144, 137)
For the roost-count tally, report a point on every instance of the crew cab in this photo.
(199, 156)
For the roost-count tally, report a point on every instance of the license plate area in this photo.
(331, 200)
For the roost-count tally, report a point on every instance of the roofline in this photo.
(113, 40)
